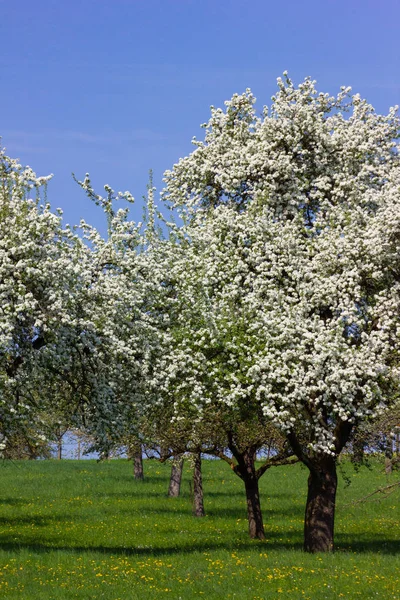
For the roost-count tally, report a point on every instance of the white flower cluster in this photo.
(40, 271)
(284, 284)
(73, 332)
(278, 298)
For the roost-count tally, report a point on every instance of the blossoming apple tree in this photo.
(64, 317)
(41, 269)
(289, 281)
(123, 312)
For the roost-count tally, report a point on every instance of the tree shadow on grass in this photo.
(143, 550)
(141, 492)
(276, 541)
(379, 545)
(124, 478)
(296, 512)
(13, 501)
(39, 520)
(233, 513)
(36, 520)
(137, 494)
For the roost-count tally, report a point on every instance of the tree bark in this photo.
(358, 450)
(254, 514)
(176, 478)
(247, 470)
(135, 453)
(198, 502)
(138, 465)
(320, 507)
(59, 448)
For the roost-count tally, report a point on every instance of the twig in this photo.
(382, 490)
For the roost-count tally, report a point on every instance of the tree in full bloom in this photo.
(65, 317)
(288, 274)
(122, 310)
(40, 272)
(192, 375)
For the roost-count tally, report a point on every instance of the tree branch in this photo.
(382, 490)
(276, 461)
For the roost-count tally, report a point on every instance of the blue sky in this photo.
(116, 87)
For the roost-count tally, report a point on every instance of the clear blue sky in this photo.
(116, 87)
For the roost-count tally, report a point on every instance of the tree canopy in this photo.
(288, 276)
(272, 306)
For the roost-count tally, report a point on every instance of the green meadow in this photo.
(82, 529)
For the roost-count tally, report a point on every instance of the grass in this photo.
(79, 529)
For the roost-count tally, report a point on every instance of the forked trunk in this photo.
(320, 508)
(176, 478)
(198, 504)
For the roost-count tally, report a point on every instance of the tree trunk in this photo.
(358, 450)
(320, 507)
(198, 504)
(135, 453)
(138, 465)
(254, 514)
(59, 448)
(176, 478)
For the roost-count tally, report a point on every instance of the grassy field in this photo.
(79, 529)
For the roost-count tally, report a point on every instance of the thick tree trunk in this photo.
(254, 514)
(198, 503)
(176, 478)
(320, 507)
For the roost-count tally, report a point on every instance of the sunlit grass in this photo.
(79, 529)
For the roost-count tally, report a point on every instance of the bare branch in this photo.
(387, 490)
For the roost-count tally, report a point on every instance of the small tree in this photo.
(195, 363)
